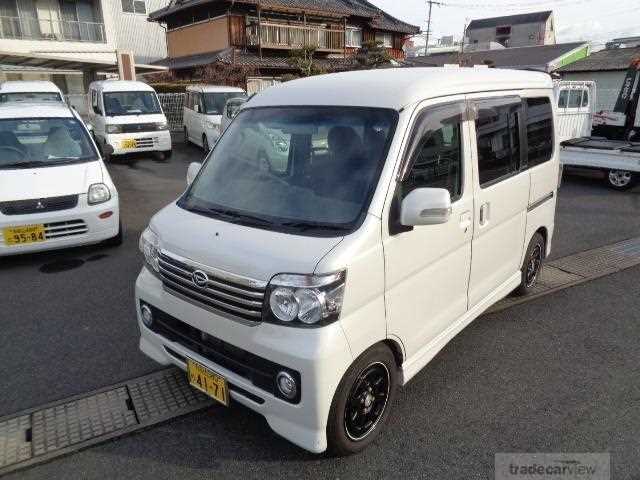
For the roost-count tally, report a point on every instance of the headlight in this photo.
(149, 246)
(114, 128)
(212, 126)
(162, 126)
(98, 193)
(305, 299)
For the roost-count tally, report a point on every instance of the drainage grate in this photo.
(63, 427)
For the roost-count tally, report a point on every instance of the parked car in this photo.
(231, 109)
(127, 116)
(30, 91)
(311, 291)
(203, 110)
(55, 192)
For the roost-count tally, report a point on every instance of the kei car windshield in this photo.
(131, 103)
(30, 97)
(43, 142)
(214, 102)
(309, 169)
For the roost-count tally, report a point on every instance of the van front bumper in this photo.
(154, 141)
(320, 356)
(77, 226)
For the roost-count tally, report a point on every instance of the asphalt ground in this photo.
(556, 374)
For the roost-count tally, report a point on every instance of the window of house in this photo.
(385, 38)
(539, 131)
(503, 30)
(435, 158)
(498, 138)
(134, 6)
(353, 37)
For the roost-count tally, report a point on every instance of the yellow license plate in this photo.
(24, 234)
(129, 143)
(208, 382)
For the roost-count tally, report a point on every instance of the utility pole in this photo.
(431, 4)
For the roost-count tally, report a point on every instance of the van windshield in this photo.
(30, 97)
(43, 142)
(306, 169)
(214, 102)
(131, 103)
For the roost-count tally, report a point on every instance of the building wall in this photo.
(523, 35)
(147, 40)
(208, 36)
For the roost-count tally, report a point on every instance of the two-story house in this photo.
(81, 30)
(259, 34)
(524, 30)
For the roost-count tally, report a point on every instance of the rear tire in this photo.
(532, 265)
(362, 402)
(117, 240)
(621, 180)
(205, 144)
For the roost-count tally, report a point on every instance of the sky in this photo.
(594, 20)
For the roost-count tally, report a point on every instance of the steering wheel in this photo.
(13, 149)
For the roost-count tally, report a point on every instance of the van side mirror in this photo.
(192, 171)
(426, 206)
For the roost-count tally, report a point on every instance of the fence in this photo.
(51, 29)
(172, 104)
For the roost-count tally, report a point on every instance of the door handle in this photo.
(484, 214)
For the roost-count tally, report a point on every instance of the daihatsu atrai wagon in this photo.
(310, 288)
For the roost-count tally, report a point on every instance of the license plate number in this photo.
(129, 143)
(23, 235)
(208, 382)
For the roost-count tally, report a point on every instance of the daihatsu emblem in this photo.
(199, 278)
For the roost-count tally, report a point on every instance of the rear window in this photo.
(539, 131)
(30, 97)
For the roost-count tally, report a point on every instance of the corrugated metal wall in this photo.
(133, 32)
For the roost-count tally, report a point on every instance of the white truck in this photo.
(618, 156)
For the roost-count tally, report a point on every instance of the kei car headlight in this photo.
(300, 300)
(149, 246)
(162, 126)
(98, 193)
(114, 128)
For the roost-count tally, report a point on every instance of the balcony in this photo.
(280, 36)
(55, 30)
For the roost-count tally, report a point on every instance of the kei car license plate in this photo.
(208, 382)
(129, 143)
(24, 234)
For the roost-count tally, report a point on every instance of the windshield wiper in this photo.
(231, 215)
(304, 226)
(29, 164)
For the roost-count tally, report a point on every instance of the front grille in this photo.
(138, 127)
(64, 229)
(39, 205)
(234, 297)
(259, 371)
(146, 142)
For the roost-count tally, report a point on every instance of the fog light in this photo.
(287, 385)
(147, 316)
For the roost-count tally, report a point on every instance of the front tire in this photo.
(532, 265)
(621, 180)
(205, 144)
(362, 402)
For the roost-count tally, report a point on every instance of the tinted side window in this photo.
(498, 137)
(539, 131)
(435, 158)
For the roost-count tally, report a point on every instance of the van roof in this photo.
(396, 88)
(121, 86)
(11, 110)
(213, 89)
(22, 86)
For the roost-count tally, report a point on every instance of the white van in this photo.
(30, 91)
(202, 112)
(127, 115)
(55, 192)
(309, 290)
